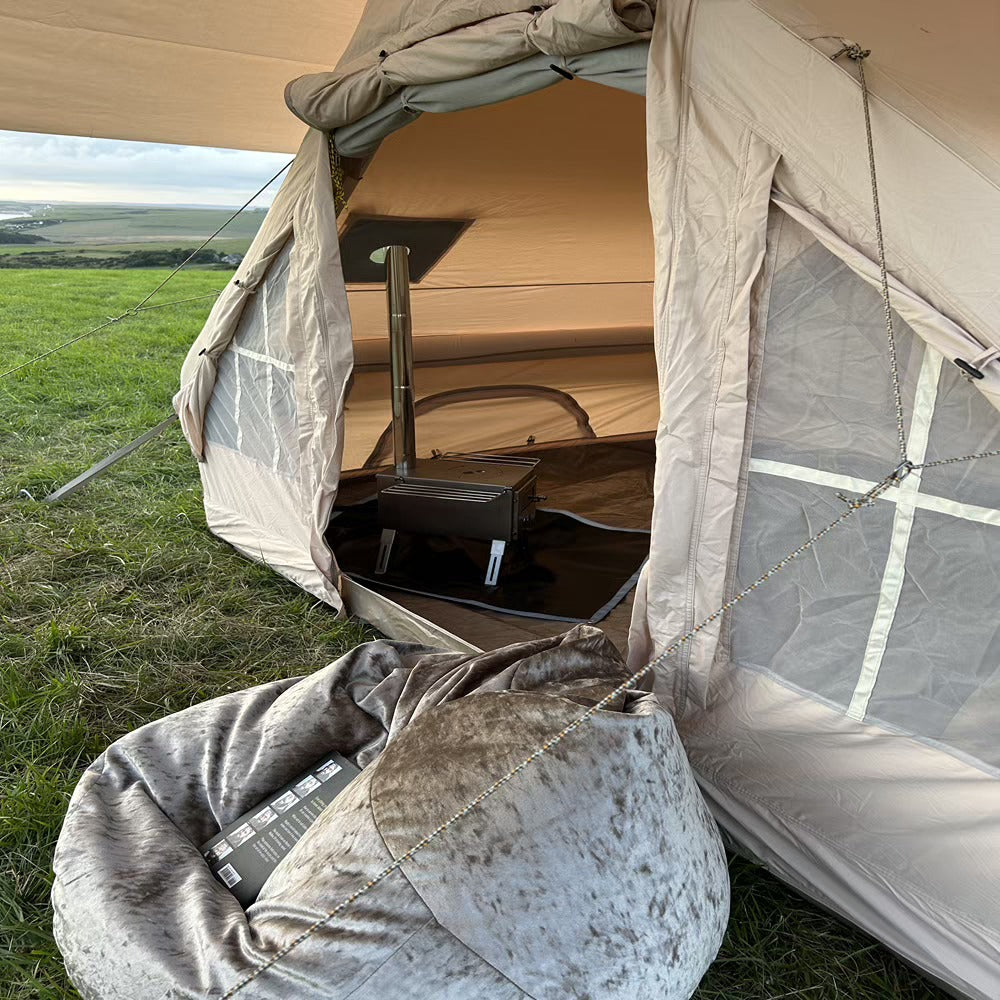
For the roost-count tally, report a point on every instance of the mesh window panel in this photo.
(256, 426)
(285, 459)
(824, 405)
(262, 326)
(965, 422)
(808, 624)
(940, 676)
(220, 417)
(252, 409)
(825, 399)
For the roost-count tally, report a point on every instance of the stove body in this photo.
(473, 496)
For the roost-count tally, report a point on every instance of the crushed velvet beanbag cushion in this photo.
(596, 874)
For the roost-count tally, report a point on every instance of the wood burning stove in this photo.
(487, 497)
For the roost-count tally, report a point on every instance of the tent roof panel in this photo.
(941, 56)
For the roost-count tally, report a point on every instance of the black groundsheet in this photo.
(564, 567)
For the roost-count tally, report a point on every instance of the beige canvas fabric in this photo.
(278, 515)
(208, 74)
(425, 42)
(894, 835)
(741, 109)
(742, 121)
(560, 246)
(213, 74)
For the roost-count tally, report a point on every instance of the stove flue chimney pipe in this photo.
(397, 288)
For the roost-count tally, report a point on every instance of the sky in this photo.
(70, 168)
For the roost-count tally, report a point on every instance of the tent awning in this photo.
(214, 73)
(206, 74)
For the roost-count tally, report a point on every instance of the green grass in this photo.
(117, 607)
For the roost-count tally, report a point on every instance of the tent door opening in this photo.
(441, 526)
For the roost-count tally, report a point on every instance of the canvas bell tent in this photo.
(661, 218)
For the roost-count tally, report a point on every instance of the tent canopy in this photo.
(212, 74)
(194, 73)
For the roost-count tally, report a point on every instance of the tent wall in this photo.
(836, 722)
(560, 245)
(263, 386)
(536, 291)
(616, 392)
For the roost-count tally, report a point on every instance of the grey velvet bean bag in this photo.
(597, 874)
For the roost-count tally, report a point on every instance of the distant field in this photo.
(117, 607)
(224, 245)
(107, 232)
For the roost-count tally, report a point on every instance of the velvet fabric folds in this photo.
(596, 873)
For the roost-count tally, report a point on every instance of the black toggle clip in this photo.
(971, 370)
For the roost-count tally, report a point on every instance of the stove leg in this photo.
(385, 550)
(496, 558)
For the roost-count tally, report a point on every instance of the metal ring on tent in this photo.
(383, 447)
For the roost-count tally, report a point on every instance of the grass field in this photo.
(118, 607)
(77, 224)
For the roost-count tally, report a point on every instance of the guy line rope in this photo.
(896, 476)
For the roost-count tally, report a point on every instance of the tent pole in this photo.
(102, 466)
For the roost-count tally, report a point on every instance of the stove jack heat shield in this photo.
(488, 497)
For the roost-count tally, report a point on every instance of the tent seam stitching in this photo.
(885, 103)
(709, 431)
(769, 269)
(854, 212)
(680, 188)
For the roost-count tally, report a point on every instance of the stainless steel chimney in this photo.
(397, 290)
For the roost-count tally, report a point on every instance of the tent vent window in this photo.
(253, 409)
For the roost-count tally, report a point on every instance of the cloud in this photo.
(71, 168)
